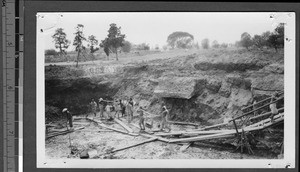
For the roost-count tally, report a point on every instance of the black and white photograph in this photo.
(165, 89)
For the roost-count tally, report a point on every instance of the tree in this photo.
(215, 44)
(126, 47)
(60, 40)
(246, 40)
(143, 46)
(205, 43)
(92, 43)
(265, 36)
(224, 45)
(258, 41)
(237, 44)
(276, 39)
(113, 41)
(180, 40)
(78, 41)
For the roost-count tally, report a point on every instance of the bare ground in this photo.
(98, 141)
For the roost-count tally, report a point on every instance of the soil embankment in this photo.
(206, 87)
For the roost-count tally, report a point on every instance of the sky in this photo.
(153, 28)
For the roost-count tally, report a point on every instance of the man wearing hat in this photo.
(69, 116)
(101, 107)
(164, 117)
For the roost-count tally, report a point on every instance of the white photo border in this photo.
(289, 123)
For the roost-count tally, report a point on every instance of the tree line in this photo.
(115, 41)
(267, 39)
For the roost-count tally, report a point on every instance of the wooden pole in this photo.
(279, 93)
(63, 132)
(111, 128)
(265, 114)
(257, 109)
(213, 126)
(137, 144)
(183, 123)
(124, 125)
(192, 132)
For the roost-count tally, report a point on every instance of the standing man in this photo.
(254, 105)
(93, 106)
(273, 107)
(142, 119)
(108, 112)
(101, 107)
(164, 116)
(123, 107)
(69, 117)
(129, 109)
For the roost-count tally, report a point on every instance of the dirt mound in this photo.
(229, 66)
(179, 87)
(272, 82)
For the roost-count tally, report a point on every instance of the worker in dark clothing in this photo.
(101, 107)
(69, 117)
(129, 109)
(123, 108)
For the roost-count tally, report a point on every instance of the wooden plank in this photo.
(247, 113)
(157, 137)
(111, 128)
(183, 123)
(192, 132)
(215, 136)
(199, 138)
(265, 114)
(123, 125)
(185, 147)
(105, 130)
(266, 121)
(250, 106)
(213, 126)
(64, 132)
(137, 144)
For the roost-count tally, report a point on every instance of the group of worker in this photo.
(121, 108)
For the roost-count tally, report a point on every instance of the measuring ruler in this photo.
(12, 35)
